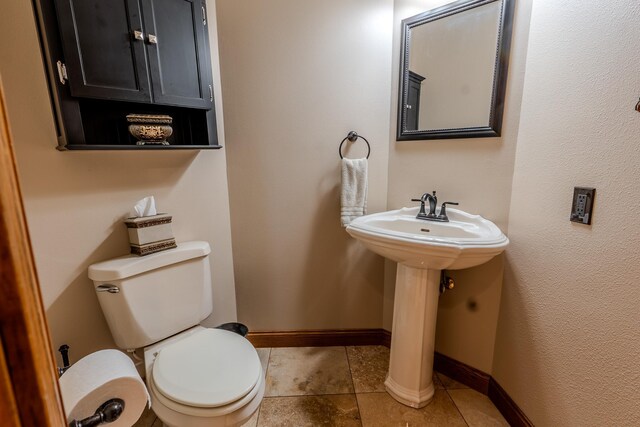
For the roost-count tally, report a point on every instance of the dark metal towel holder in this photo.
(353, 137)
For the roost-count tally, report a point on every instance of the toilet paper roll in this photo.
(99, 377)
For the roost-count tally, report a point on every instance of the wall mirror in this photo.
(453, 70)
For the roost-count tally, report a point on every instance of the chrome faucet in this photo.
(433, 202)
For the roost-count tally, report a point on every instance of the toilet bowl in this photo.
(196, 376)
(204, 377)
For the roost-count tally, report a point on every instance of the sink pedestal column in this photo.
(415, 308)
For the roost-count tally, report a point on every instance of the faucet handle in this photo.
(422, 211)
(443, 209)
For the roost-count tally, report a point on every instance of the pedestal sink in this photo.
(422, 249)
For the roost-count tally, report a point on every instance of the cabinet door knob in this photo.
(153, 39)
(138, 35)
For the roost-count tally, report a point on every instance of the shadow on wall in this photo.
(468, 314)
(76, 313)
(75, 201)
(472, 284)
(100, 172)
(337, 265)
(87, 204)
(526, 372)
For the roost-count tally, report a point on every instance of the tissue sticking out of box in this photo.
(149, 231)
(145, 207)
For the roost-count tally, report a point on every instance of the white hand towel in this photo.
(353, 196)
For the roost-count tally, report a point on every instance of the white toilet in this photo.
(196, 376)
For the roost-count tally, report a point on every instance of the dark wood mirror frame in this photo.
(494, 126)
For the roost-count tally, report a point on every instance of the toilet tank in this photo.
(147, 299)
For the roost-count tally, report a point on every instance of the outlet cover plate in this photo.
(582, 207)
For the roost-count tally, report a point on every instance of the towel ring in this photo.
(353, 137)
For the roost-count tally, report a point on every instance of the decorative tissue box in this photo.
(149, 234)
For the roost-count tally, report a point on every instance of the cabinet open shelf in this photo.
(105, 126)
(86, 147)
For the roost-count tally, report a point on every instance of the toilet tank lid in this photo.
(131, 265)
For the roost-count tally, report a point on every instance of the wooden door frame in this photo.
(29, 391)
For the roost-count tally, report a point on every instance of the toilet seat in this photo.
(207, 413)
(209, 372)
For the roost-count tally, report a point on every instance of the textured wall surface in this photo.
(475, 172)
(75, 201)
(568, 340)
(297, 76)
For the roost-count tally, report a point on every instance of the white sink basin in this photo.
(465, 241)
(422, 249)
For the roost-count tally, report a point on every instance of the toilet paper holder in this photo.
(64, 351)
(108, 412)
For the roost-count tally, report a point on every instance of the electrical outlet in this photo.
(582, 207)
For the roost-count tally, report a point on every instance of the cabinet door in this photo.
(413, 101)
(104, 58)
(413, 105)
(178, 60)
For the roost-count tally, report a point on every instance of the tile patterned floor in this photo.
(344, 387)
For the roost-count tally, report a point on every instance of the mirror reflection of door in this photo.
(413, 101)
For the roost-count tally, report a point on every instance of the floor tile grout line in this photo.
(265, 386)
(266, 371)
(353, 384)
(446, 389)
(456, 405)
(291, 396)
(373, 392)
(307, 395)
(355, 395)
(461, 387)
(327, 394)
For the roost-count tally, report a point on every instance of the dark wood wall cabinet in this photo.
(413, 100)
(107, 59)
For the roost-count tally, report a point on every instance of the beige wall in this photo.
(568, 341)
(476, 173)
(75, 200)
(297, 76)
